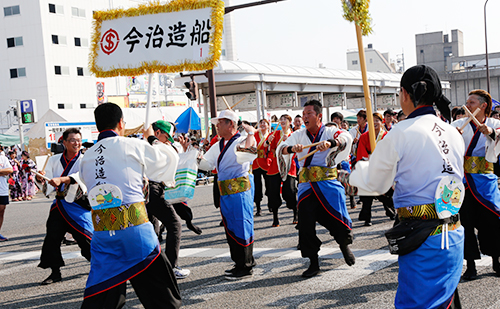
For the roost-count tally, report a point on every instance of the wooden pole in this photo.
(148, 104)
(366, 88)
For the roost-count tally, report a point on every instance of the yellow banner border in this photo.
(217, 20)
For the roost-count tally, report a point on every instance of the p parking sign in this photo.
(28, 111)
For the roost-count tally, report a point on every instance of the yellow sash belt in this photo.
(235, 185)
(317, 173)
(119, 218)
(477, 165)
(425, 212)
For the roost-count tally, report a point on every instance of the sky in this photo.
(313, 32)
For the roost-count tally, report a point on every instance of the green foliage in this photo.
(357, 11)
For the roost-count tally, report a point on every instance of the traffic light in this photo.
(193, 89)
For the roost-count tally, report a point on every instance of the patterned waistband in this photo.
(317, 173)
(420, 212)
(235, 185)
(119, 218)
(425, 212)
(477, 165)
(261, 153)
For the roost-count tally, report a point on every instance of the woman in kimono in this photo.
(15, 187)
(26, 177)
(289, 186)
(417, 154)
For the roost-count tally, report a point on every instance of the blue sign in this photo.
(28, 111)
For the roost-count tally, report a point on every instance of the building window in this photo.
(78, 42)
(354, 62)
(60, 106)
(13, 42)
(11, 10)
(56, 9)
(57, 69)
(58, 39)
(77, 12)
(83, 105)
(18, 72)
(79, 71)
(371, 60)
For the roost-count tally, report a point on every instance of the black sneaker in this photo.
(470, 274)
(239, 274)
(229, 271)
(311, 272)
(53, 278)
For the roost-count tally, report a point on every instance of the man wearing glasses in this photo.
(74, 217)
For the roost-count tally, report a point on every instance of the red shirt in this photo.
(273, 168)
(263, 160)
(364, 149)
(212, 142)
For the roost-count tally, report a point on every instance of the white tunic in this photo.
(124, 161)
(485, 146)
(416, 154)
(54, 169)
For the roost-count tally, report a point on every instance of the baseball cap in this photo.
(166, 127)
(226, 114)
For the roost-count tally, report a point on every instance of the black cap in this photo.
(389, 111)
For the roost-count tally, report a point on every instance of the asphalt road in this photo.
(370, 283)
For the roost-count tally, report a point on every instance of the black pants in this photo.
(216, 192)
(57, 227)
(257, 178)
(156, 287)
(310, 212)
(289, 192)
(474, 215)
(366, 211)
(165, 212)
(241, 256)
(183, 211)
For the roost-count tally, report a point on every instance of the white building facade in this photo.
(45, 53)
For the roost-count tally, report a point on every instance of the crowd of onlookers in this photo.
(21, 182)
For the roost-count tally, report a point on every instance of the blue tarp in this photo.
(494, 104)
(188, 120)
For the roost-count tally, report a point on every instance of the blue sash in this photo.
(428, 276)
(330, 193)
(75, 215)
(237, 209)
(119, 256)
(489, 195)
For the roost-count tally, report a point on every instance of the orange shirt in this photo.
(262, 161)
(273, 168)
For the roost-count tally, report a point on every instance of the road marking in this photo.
(283, 253)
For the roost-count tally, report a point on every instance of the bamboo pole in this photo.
(366, 88)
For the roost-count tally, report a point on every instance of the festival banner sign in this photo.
(183, 35)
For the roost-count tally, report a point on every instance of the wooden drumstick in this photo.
(469, 119)
(312, 145)
(46, 161)
(309, 154)
(238, 103)
(227, 104)
(471, 116)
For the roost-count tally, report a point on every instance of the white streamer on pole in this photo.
(148, 104)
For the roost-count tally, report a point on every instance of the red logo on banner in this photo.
(109, 41)
(100, 92)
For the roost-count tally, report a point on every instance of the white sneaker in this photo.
(181, 273)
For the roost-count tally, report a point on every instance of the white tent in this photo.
(133, 117)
